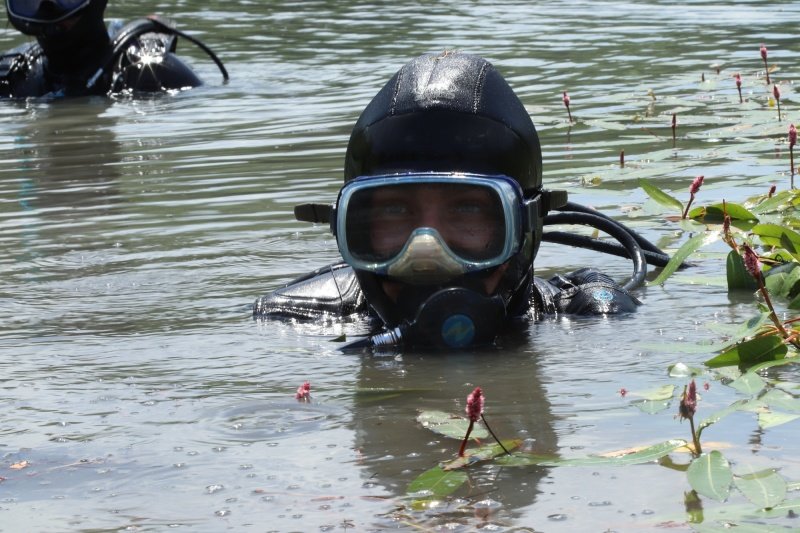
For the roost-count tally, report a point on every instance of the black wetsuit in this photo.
(136, 57)
(334, 291)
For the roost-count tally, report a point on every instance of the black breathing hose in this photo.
(644, 243)
(606, 247)
(616, 230)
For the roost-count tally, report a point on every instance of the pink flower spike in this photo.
(751, 262)
(772, 191)
(738, 80)
(688, 405)
(475, 404)
(706, 386)
(623, 391)
(776, 92)
(304, 392)
(792, 135)
(565, 98)
(696, 184)
(764, 57)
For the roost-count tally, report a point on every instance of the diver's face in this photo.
(465, 217)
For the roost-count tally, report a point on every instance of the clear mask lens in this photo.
(428, 226)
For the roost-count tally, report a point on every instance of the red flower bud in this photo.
(688, 405)
(751, 262)
(475, 404)
(776, 92)
(696, 184)
(772, 191)
(763, 52)
(566, 99)
(304, 392)
(738, 80)
(792, 136)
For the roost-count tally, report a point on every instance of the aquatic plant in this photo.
(687, 410)
(474, 409)
(776, 92)
(693, 189)
(303, 393)
(565, 99)
(764, 58)
(738, 79)
(674, 127)
(792, 142)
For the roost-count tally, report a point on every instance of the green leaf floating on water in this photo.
(779, 202)
(436, 483)
(654, 400)
(770, 419)
(450, 425)
(775, 235)
(683, 253)
(751, 352)
(660, 196)
(739, 405)
(716, 212)
(646, 455)
(484, 453)
(710, 475)
(749, 383)
(765, 488)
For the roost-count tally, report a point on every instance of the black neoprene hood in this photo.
(447, 113)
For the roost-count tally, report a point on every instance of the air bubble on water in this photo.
(604, 503)
(486, 507)
(211, 489)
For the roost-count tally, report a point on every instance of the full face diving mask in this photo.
(429, 228)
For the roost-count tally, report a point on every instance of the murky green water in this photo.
(135, 234)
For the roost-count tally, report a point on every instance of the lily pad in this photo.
(751, 352)
(710, 475)
(765, 488)
(645, 455)
(450, 425)
(484, 453)
(436, 483)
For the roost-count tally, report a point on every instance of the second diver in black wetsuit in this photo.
(76, 55)
(441, 216)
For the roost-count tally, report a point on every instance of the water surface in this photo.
(135, 235)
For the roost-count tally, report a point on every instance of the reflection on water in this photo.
(134, 235)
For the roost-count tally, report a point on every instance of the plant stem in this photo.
(466, 438)
(492, 434)
(688, 205)
(695, 438)
(772, 315)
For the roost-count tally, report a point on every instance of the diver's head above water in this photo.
(64, 28)
(441, 213)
